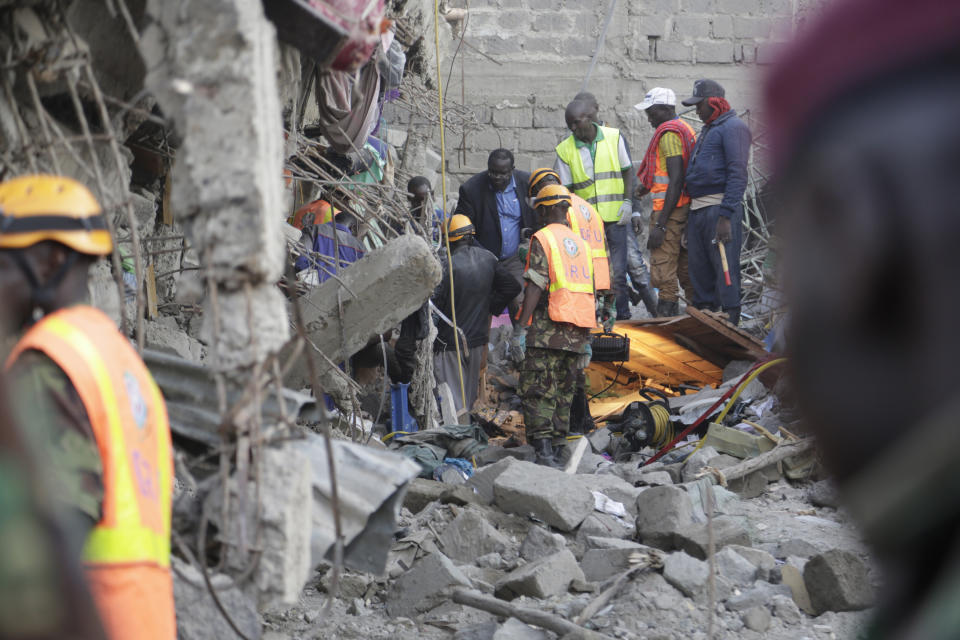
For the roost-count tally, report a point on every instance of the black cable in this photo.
(609, 386)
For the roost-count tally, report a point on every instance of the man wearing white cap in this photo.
(661, 175)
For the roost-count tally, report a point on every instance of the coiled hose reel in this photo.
(645, 424)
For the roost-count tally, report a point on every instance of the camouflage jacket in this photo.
(543, 332)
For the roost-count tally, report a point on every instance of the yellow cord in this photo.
(733, 398)
(443, 193)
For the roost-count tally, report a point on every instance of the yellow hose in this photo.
(740, 387)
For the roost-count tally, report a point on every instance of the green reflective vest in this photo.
(602, 187)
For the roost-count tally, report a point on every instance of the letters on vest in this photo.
(603, 187)
(571, 293)
(127, 555)
(585, 222)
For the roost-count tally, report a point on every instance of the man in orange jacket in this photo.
(110, 436)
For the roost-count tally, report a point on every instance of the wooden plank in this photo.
(167, 209)
(755, 348)
(671, 362)
(151, 280)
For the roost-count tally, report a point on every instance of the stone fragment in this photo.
(837, 581)
(823, 494)
(735, 568)
(352, 584)
(662, 512)
(598, 542)
(600, 564)
(726, 531)
(786, 609)
(655, 479)
(480, 631)
(599, 440)
(605, 525)
(690, 576)
(493, 454)
(792, 577)
(763, 561)
(796, 547)
(613, 487)
(548, 494)
(540, 543)
(757, 619)
(469, 536)
(548, 576)
(482, 481)
(513, 629)
(461, 495)
(758, 595)
(421, 492)
(197, 615)
(424, 586)
(697, 462)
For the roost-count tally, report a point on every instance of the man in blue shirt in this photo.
(715, 181)
(326, 241)
(492, 201)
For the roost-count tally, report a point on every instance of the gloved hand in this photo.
(626, 210)
(518, 345)
(584, 360)
(609, 313)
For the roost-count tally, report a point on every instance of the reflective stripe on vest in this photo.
(661, 180)
(128, 551)
(604, 188)
(571, 276)
(585, 223)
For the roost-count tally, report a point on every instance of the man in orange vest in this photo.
(558, 313)
(111, 437)
(661, 175)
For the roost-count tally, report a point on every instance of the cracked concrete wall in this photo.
(545, 48)
(213, 69)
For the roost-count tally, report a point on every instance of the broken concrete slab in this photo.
(663, 512)
(600, 564)
(543, 578)
(558, 499)
(654, 479)
(837, 581)
(598, 542)
(785, 609)
(690, 576)
(484, 478)
(390, 284)
(424, 586)
(492, 454)
(599, 439)
(696, 462)
(421, 492)
(756, 596)
(513, 629)
(471, 535)
(757, 619)
(761, 560)
(614, 487)
(540, 543)
(735, 567)
(166, 336)
(197, 615)
(726, 531)
(604, 525)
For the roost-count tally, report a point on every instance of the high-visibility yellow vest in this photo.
(571, 276)
(603, 187)
(585, 222)
(127, 554)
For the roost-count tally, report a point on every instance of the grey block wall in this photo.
(544, 48)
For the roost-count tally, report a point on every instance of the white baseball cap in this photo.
(657, 95)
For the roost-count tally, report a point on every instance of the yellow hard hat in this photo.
(459, 227)
(35, 208)
(537, 176)
(552, 194)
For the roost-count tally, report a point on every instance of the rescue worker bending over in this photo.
(111, 436)
(558, 312)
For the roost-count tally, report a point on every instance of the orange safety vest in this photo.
(571, 293)
(661, 180)
(585, 222)
(127, 555)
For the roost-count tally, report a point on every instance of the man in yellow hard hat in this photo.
(552, 336)
(482, 286)
(110, 434)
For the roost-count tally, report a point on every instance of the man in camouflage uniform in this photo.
(550, 354)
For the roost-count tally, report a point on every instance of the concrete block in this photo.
(513, 117)
(657, 7)
(651, 26)
(662, 512)
(600, 564)
(421, 492)
(197, 615)
(424, 586)
(469, 536)
(542, 5)
(613, 487)
(556, 22)
(776, 7)
(543, 578)
(498, 45)
(697, 462)
(690, 577)
(540, 543)
(540, 44)
(508, 19)
(604, 525)
(837, 581)
(714, 52)
(767, 53)
(785, 609)
(576, 46)
(513, 629)
(793, 579)
(726, 531)
(687, 26)
(757, 619)
(737, 7)
(556, 498)
(750, 27)
(756, 596)
(599, 542)
(164, 335)
(796, 547)
(482, 481)
(721, 26)
(538, 140)
(655, 479)
(763, 561)
(735, 568)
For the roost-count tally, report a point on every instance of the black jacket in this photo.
(479, 203)
(482, 287)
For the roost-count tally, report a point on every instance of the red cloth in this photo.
(852, 42)
(720, 107)
(649, 165)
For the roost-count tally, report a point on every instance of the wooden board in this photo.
(151, 281)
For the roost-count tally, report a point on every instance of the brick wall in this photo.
(544, 48)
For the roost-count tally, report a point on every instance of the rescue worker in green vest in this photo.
(110, 437)
(558, 313)
(594, 164)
